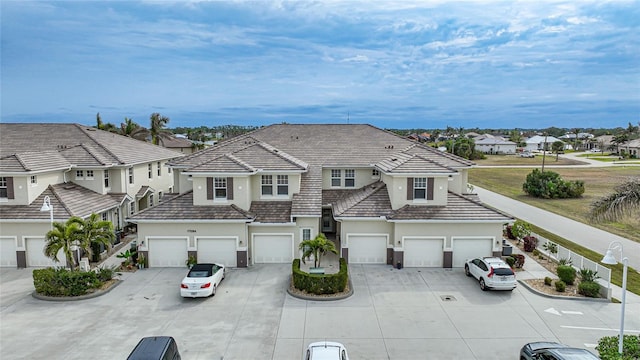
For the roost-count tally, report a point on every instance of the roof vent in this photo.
(275, 150)
(394, 159)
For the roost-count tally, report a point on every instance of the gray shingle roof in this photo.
(96, 146)
(308, 202)
(271, 211)
(459, 208)
(369, 201)
(33, 161)
(181, 208)
(404, 163)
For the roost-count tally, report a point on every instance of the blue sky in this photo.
(393, 64)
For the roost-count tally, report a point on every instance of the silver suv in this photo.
(491, 273)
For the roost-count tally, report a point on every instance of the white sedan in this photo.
(202, 280)
(326, 350)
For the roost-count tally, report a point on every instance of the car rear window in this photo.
(503, 271)
(198, 274)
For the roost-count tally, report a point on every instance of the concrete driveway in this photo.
(394, 314)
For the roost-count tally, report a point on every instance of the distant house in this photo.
(605, 142)
(630, 147)
(537, 142)
(490, 144)
(179, 144)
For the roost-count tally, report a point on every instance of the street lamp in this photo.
(609, 259)
(47, 206)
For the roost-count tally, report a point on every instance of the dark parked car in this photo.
(156, 348)
(547, 350)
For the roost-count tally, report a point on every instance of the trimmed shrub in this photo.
(549, 185)
(530, 243)
(608, 347)
(519, 260)
(560, 286)
(588, 275)
(319, 284)
(536, 252)
(107, 273)
(63, 282)
(511, 261)
(589, 289)
(565, 261)
(548, 281)
(566, 273)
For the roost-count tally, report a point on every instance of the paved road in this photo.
(577, 232)
(408, 314)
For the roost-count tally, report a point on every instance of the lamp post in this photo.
(46, 206)
(609, 259)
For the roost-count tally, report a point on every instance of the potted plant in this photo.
(142, 261)
(127, 256)
(191, 261)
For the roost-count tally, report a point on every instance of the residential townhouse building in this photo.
(79, 170)
(382, 198)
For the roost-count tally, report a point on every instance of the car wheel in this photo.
(466, 270)
(213, 291)
(483, 286)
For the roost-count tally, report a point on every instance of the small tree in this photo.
(550, 247)
(63, 237)
(94, 231)
(520, 229)
(317, 247)
(556, 147)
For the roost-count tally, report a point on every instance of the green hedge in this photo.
(566, 273)
(608, 347)
(63, 282)
(589, 289)
(320, 283)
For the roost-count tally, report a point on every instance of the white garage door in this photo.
(220, 251)
(272, 249)
(36, 256)
(464, 249)
(8, 252)
(367, 249)
(423, 252)
(167, 252)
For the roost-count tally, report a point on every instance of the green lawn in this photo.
(598, 182)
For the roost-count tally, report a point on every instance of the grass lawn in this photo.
(516, 160)
(598, 182)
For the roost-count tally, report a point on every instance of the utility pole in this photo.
(544, 150)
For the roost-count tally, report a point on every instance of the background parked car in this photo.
(202, 280)
(491, 273)
(527, 154)
(326, 350)
(547, 350)
(155, 348)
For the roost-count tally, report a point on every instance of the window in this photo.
(336, 175)
(375, 173)
(150, 199)
(168, 170)
(106, 178)
(160, 194)
(34, 179)
(306, 234)
(283, 184)
(159, 169)
(79, 174)
(349, 178)
(3, 187)
(220, 188)
(150, 168)
(130, 175)
(104, 216)
(267, 185)
(132, 208)
(90, 174)
(420, 188)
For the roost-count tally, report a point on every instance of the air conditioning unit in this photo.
(84, 264)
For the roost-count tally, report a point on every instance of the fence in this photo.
(577, 261)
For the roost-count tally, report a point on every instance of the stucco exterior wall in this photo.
(363, 177)
(367, 227)
(190, 230)
(449, 230)
(397, 188)
(256, 188)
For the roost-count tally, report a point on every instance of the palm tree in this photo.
(556, 147)
(624, 201)
(63, 237)
(317, 247)
(94, 232)
(131, 129)
(157, 131)
(106, 127)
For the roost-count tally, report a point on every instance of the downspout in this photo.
(64, 174)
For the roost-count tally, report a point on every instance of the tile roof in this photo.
(87, 145)
(33, 161)
(309, 201)
(369, 201)
(181, 208)
(405, 163)
(271, 211)
(67, 199)
(459, 208)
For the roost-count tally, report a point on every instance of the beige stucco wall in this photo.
(397, 188)
(256, 184)
(363, 177)
(141, 178)
(190, 231)
(449, 230)
(366, 227)
(21, 230)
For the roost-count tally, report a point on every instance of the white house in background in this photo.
(536, 143)
(490, 144)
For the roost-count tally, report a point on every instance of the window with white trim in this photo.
(375, 173)
(150, 168)
(306, 234)
(89, 174)
(34, 180)
(159, 169)
(220, 188)
(79, 174)
(3, 188)
(349, 178)
(106, 178)
(336, 177)
(420, 188)
(104, 216)
(130, 175)
(132, 208)
(283, 184)
(150, 199)
(267, 185)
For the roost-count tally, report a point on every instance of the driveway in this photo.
(393, 314)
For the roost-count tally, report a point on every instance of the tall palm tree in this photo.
(94, 231)
(157, 129)
(106, 127)
(317, 247)
(131, 129)
(624, 201)
(63, 237)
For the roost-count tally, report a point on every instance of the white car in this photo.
(491, 273)
(202, 280)
(594, 150)
(526, 154)
(326, 350)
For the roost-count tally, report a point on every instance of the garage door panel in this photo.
(367, 249)
(220, 251)
(167, 252)
(272, 249)
(464, 249)
(8, 253)
(423, 253)
(36, 256)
